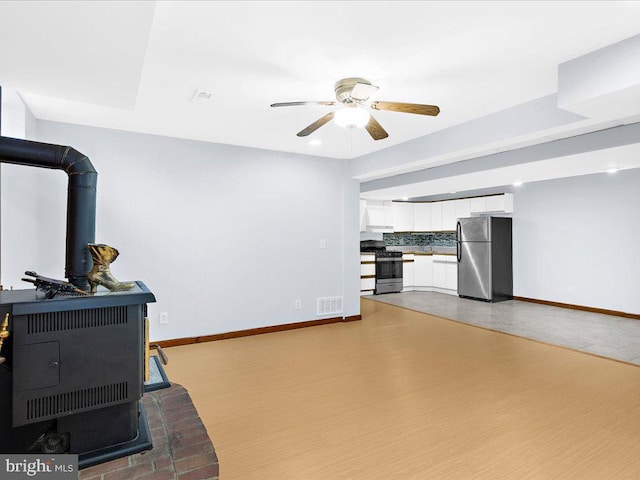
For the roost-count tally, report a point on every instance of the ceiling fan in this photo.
(353, 95)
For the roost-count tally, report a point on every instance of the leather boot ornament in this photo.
(103, 256)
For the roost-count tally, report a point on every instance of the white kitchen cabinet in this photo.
(508, 203)
(452, 275)
(493, 204)
(368, 270)
(387, 216)
(367, 286)
(403, 214)
(422, 217)
(445, 273)
(423, 271)
(449, 215)
(389, 213)
(500, 203)
(478, 204)
(463, 208)
(439, 271)
(436, 216)
(408, 271)
(443, 216)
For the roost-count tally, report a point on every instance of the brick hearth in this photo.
(182, 449)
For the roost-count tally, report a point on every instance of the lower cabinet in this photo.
(445, 274)
(439, 272)
(425, 273)
(408, 272)
(367, 286)
(452, 276)
(367, 274)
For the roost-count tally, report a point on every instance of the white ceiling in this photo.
(136, 65)
(608, 161)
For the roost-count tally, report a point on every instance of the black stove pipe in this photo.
(81, 197)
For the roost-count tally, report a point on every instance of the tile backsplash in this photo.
(439, 239)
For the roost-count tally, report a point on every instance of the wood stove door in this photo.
(36, 366)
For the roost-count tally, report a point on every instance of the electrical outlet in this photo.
(571, 291)
(164, 318)
(297, 304)
(323, 243)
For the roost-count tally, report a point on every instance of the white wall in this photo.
(226, 237)
(576, 241)
(17, 122)
(351, 225)
(14, 114)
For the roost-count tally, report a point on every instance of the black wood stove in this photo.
(73, 374)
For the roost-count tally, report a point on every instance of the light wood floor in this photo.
(404, 395)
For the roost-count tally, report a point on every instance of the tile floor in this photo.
(605, 335)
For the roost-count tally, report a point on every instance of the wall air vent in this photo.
(329, 305)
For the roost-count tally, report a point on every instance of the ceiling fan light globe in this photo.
(353, 117)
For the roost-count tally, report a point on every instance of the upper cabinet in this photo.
(387, 216)
(436, 216)
(478, 204)
(422, 217)
(449, 215)
(404, 217)
(500, 203)
(493, 204)
(443, 215)
(463, 208)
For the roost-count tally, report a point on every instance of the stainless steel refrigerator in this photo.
(484, 249)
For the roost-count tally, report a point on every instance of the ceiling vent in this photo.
(202, 96)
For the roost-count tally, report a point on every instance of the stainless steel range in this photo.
(388, 272)
(388, 266)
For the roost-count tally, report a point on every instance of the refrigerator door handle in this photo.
(458, 234)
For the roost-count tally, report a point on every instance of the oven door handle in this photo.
(389, 260)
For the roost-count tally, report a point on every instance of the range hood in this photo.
(380, 228)
(380, 217)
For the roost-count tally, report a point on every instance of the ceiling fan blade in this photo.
(375, 129)
(316, 125)
(362, 91)
(417, 108)
(296, 104)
